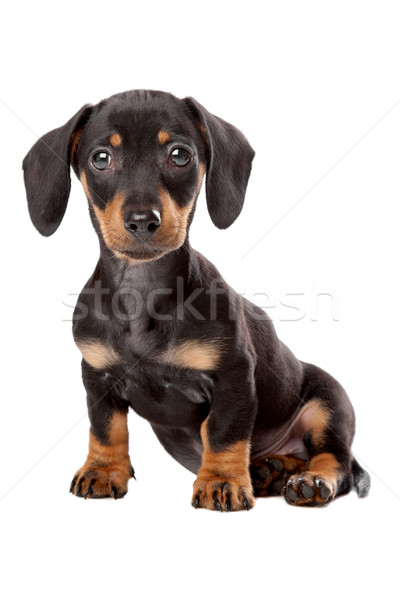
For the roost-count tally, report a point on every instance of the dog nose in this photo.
(147, 221)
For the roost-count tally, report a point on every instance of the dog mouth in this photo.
(144, 255)
(148, 248)
(144, 251)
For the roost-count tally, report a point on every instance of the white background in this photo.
(315, 88)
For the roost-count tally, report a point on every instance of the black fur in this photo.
(257, 386)
(46, 171)
(362, 480)
(229, 157)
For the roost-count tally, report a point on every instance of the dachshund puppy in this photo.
(159, 329)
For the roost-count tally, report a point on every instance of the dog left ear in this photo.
(46, 172)
(229, 158)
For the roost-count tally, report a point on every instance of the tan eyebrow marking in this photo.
(163, 136)
(115, 140)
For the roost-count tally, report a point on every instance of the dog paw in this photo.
(101, 482)
(269, 475)
(220, 495)
(309, 489)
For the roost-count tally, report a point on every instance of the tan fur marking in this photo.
(111, 222)
(174, 221)
(135, 261)
(85, 186)
(315, 419)
(112, 226)
(317, 484)
(232, 463)
(324, 465)
(117, 446)
(223, 476)
(107, 469)
(193, 355)
(75, 142)
(203, 133)
(271, 474)
(173, 228)
(97, 354)
(115, 140)
(174, 217)
(163, 136)
(202, 170)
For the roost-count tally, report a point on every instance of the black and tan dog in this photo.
(159, 329)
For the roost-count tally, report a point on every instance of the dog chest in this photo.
(165, 394)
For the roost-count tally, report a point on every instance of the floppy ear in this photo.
(46, 173)
(229, 157)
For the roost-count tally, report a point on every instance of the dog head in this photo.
(141, 157)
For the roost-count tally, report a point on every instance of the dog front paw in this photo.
(217, 494)
(109, 481)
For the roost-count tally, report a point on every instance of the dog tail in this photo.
(361, 479)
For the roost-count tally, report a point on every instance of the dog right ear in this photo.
(46, 172)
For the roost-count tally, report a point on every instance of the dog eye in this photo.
(101, 160)
(180, 157)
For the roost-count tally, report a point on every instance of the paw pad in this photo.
(307, 489)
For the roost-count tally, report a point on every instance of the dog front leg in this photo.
(107, 469)
(223, 481)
